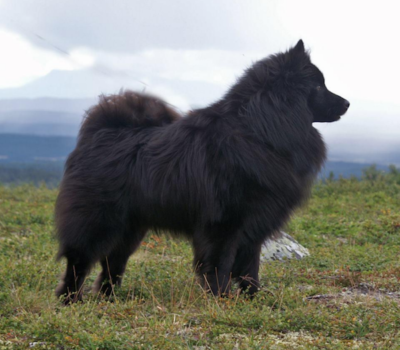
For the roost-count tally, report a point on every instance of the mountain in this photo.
(347, 169)
(43, 116)
(40, 122)
(90, 84)
(29, 148)
(360, 137)
(68, 105)
(37, 149)
(63, 84)
(37, 159)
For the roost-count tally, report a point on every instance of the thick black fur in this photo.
(227, 176)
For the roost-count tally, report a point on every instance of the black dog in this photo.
(227, 176)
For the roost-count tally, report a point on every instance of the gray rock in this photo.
(282, 247)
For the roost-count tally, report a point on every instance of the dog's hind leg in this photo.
(84, 239)
(78, 266)
(113, 265)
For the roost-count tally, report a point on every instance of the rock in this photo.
(282, 247)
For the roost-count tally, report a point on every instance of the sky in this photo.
(189, 52)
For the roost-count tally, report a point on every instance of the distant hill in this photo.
(40, 122)
(78, 105)
(30, 148)
(346, 169)
(25, 158)
(43, 116)
(70, 84)
(37, 172)
(365, 138)
(62, 85)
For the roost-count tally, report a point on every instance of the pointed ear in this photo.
(299, 48)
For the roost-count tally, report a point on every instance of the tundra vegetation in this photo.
(345, 295)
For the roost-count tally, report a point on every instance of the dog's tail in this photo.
(127, 109)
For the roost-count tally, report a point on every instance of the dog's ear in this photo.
(299, 48)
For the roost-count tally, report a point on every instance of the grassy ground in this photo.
(346, 295)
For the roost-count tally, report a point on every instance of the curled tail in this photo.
(127, 109)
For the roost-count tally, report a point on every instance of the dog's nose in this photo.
(346, 103)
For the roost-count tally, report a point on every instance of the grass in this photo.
(345, 295)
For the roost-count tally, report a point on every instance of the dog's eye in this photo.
(319, 87)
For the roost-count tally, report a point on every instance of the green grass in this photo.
(345, 295)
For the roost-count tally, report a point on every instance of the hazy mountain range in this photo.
(45, 129)
(50, 152)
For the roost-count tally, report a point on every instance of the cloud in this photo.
(177, 75)
(133, 26)
(353, 42)
(210, 66)
(21, 62)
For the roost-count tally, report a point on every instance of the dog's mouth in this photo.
(340, 115)
(336, 118)
(342, 110)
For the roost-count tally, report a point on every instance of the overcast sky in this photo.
(189, 52)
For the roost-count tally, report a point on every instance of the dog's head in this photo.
(324, 105)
